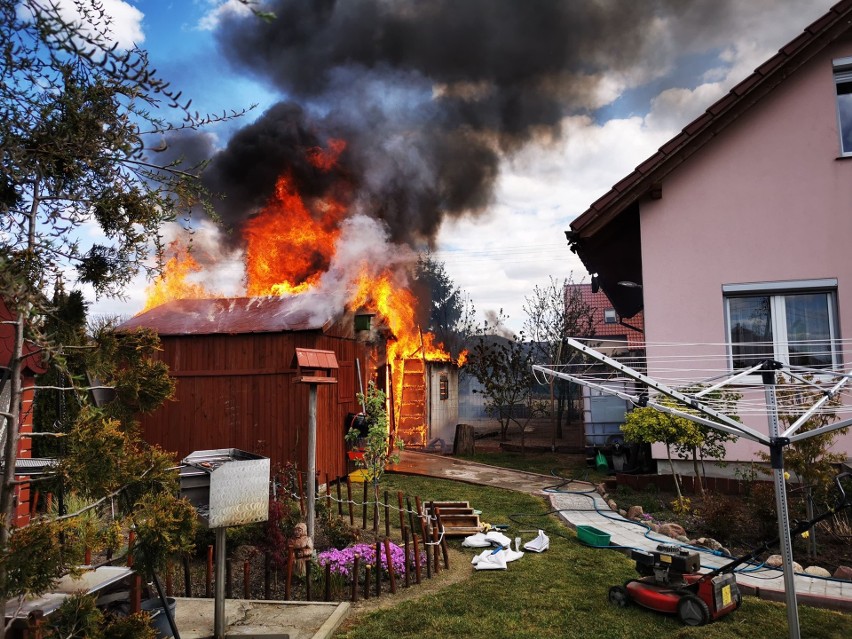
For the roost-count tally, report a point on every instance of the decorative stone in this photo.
(684, 539)
(622, 512)
(775, 561)
(817, 571)
(843, 572)
(708, 542)
(653, 527)
(635, 512)
(672, 530)
(612, 505)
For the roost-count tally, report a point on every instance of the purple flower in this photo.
(342, 561)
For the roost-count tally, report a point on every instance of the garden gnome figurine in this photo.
(303, 547)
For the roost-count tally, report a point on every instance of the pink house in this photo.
(737, 231)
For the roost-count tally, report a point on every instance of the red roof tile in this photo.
(600, 303)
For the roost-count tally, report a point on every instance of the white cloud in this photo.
(125, 20)
(219, 10)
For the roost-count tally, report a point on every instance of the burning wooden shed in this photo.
(233, 360)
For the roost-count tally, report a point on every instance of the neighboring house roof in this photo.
(614, 253)
(235, 315)
(631, 333)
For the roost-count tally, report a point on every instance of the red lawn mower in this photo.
(670, 581)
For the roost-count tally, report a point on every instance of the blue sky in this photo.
(518, 242)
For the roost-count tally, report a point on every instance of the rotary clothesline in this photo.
(798, 384)
(693, 403)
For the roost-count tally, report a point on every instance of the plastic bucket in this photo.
(159, 621)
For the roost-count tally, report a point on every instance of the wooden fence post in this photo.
(416, 558)
(389, 561)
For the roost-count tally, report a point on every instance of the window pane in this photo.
(751, 330)
(844, 111)
(808, 330)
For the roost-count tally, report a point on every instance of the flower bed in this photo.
(342, 561)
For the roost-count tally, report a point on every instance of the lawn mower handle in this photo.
(843, 501)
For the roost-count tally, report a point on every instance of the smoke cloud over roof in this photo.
(430, 97)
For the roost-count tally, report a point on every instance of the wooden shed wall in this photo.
(236, 391)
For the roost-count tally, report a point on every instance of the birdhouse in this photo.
(315, 366)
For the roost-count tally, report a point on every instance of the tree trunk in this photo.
(699, 485)
(674, 474)
(463, 444)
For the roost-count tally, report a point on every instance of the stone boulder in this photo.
(817, 571)
(843, 572)
(612, 505)
(635, 512)
(775, 561)
(672, 530)
(709, 543)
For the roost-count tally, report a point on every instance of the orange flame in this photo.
(172, 283)
(289, 245)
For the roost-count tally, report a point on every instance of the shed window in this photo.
(843, 84)
(444, 387)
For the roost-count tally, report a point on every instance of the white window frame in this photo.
(610, 313)
(777, 291)
(842, 68)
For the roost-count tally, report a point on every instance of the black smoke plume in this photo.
(430, 95)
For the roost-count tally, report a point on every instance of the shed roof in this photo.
(234, 315)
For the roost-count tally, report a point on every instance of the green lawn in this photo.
(560, 593)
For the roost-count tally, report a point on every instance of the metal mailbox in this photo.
(228, 486)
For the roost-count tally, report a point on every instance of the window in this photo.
(843, 83)
(609, 316)
(791, 322)
(444, 387)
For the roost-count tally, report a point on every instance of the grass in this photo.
(560, 593)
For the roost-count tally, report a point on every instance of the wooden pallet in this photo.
(458, 518)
